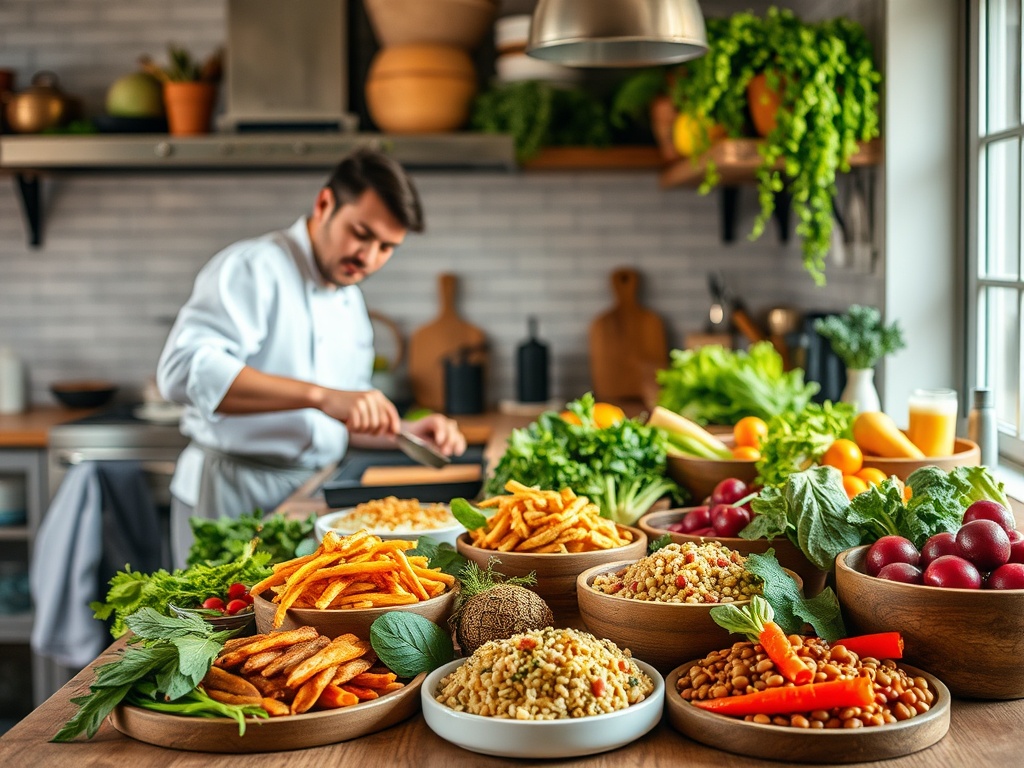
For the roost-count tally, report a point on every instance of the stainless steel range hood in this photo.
(249, 151)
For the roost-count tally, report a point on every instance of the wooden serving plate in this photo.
(795, 745)
(275, 734)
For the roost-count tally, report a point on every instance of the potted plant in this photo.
(860, 339)
(190, 89)
(823, 82)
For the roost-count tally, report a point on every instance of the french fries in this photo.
(533, 520)
(288, 673)
(357, 571)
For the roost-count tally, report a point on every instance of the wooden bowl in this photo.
(420, 88)
(700, 476)
(462, 23)
(965, 454)
(968, 638)
(655, 525)
(332, 623)
(556, 572)
(662, 634)
(796, 745)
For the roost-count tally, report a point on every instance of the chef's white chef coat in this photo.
(263, 303)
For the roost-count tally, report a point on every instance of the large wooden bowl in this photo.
(797, 745)
(662, 634)
(332, 623)
(965, 454)
(655, 524)
(556, 572)
(971, 639)
(700, 476)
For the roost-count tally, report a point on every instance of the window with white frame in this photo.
(995, 275)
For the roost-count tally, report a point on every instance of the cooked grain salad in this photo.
(545, 674)
(684, 573)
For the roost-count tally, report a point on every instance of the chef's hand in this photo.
(364, 413)
(439, 430)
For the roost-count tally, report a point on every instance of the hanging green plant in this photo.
(827, 86)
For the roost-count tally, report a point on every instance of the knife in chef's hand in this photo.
(420, 451)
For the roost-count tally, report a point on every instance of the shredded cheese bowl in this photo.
(393, 518)
(547, 693)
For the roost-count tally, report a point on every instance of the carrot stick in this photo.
(852, 692)
(756, 622)
(881, 645)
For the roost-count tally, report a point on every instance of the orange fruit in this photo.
(845, 456)
(750, 431)
(570, 417)
(606, 414)
(853, 485)
(872, 475)
(746, 453)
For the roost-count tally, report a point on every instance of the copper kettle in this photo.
(40, 106)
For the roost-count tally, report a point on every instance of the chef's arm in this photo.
(363, 412)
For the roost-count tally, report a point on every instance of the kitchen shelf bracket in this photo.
(30, 191)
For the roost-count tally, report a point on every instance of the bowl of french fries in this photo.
(393, 518)
(347, 583)
(554, 535)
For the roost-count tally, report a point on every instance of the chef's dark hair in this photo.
(369, 169)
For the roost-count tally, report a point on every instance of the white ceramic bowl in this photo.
(336, 521)
(541, 738)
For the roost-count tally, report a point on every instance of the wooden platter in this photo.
(795, 745)
(275, 734)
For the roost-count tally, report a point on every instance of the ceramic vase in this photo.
(860, 390)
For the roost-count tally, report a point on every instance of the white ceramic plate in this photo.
(336, 521)
(541, 738)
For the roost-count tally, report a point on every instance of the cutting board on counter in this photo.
(627, 345)
(447, 336)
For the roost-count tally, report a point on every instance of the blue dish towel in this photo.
(101, 520)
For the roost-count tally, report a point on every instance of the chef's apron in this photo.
(230, 486)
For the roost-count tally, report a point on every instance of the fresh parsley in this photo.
(409, 644)
(223, 540)
(659, 543)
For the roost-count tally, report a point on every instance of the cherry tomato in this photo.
(235, 606)
(214, 604)
(750, 431)
(237, 590)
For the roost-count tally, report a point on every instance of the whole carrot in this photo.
(756, 622)
(881, 645)
(851, 692)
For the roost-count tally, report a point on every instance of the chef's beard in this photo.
(358, 277)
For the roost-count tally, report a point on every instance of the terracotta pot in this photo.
(189, 107)
(462, 23)
(763, 102)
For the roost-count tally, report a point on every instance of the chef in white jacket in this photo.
(272, 353)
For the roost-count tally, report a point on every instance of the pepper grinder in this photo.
(982, 428)
(532, 380)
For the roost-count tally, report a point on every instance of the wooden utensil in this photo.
(627, 345)
(442, 338)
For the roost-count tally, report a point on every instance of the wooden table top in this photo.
(32, 428)
(980, 733)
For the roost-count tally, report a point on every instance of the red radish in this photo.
(728, 520)
(214, 604)
(984, 543)
(698, 517)
(729, 491)
(991, 510)
(703, 532)
(952, 572)
(237, 590)
(1016, 546)
(235, 606)
(904, 573)
(938, 545)
(1009, 576)
(890, 549)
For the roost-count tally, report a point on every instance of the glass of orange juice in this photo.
(933, 421)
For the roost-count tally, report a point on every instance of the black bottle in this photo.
(532, 368)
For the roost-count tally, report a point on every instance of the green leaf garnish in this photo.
(409, 644)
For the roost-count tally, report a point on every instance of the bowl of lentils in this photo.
(660, 605)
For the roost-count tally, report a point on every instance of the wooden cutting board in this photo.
(627, 345)
(442, 338)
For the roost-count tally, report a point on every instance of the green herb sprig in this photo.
(859, 337)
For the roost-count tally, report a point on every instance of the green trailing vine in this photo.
(829, 102)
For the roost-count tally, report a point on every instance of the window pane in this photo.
(999, 349)
(1000, 241)
(1002, 64)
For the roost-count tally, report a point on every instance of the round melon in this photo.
(136, 95)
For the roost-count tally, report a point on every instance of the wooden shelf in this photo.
(594, 159)
(737, 161)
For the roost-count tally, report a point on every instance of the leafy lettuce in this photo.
(715, 385)
(797, 441)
